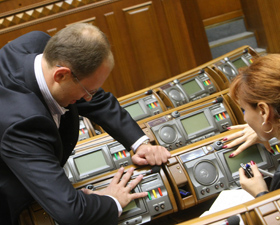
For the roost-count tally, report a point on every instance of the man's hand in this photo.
(150, 154)
(246, 137)
(120, 189)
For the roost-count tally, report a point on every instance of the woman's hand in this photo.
(253, 185)
(246, 137)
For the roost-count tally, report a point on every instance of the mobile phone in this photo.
(247, 169)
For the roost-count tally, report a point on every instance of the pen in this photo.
(264, 172)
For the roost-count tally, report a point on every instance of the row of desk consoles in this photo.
(166, 203)
(181, 185)
(204, 80)
(166, 129)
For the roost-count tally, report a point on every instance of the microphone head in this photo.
(219, 100)
(233, 220)
(201, 71)
(155, 169)
(148, 92)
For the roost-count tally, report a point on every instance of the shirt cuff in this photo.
(118, 205)
(139, 142)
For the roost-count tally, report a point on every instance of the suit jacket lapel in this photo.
(68, 129)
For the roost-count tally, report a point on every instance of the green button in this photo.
(149, 196)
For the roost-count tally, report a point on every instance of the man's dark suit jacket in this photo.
(33, 150)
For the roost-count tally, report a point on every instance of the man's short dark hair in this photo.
(82, 47)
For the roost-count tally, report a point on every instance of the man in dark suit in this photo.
(45, 84)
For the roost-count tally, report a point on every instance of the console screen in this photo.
(238, 63)
(191, 87)
(130, 206)
(90, 162)
(195, 123)
(134, 110)
(251, 153)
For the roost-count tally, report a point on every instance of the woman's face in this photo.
(254, 118)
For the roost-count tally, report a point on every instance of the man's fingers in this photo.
(139, 161)
(137, 180)
(138, 195)
(125, 178)
(87, 191)
(118, 176)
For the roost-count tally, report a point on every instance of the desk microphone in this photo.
(233, 220)
(154, 169)
(218, 100)
(148, 92)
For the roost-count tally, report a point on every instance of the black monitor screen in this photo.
(195, 123)
(251, 153)
(191, 87)
(239, 63)
(89, 162)
(134, 110)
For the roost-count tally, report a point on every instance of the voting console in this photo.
(92, 161)
(229, 65)
(203, 81)
(197, 173)
(194, 122)
(159, 201)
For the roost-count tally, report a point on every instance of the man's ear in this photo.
(265, 110)
(61, 74)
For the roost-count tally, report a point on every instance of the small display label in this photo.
(192, 155)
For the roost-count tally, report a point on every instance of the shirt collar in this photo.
(52, 104)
